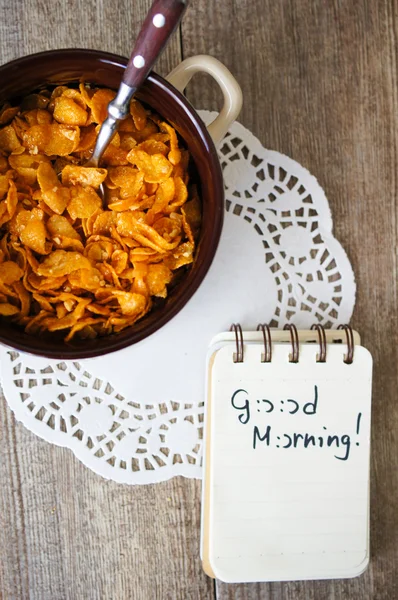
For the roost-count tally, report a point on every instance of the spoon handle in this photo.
(161, 20)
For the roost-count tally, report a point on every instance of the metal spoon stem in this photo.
(118, 110)
(161, 20)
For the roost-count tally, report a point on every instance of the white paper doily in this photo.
(136, 416)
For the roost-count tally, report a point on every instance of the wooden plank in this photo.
(65, 532)
(68, 533)
(30, 26)
(319, 83)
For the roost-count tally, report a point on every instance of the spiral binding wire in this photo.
(266, 356)
(349, 357)
(238, 355)
(322, 342)
(295, 355)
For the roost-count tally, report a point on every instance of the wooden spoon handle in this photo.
(161, 20)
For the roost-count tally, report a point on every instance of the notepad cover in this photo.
(286, 482)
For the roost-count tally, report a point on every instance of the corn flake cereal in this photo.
(70, 261)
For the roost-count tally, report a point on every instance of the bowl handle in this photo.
(183, 73)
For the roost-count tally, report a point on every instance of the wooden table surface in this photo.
(319, 79)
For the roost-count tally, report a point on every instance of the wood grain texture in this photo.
(28, 26)
(66, 533)
(319, 81)
(320, 84)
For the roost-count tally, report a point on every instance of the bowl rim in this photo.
(116, 343)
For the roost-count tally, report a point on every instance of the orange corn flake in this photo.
(103, 222)
(76, 96)
(158, 277)
(10, 272)
(131, 304)
(51, 139)
(156, 167)
(9, 141)
(181, 195)
(37, 116)
(88, 135)
(72, 174)
(4, 179)
(10, 204)
(71, 263)
(58, 225)
(34, 237)
(69, 112)
(7, 113)
(139, 115)
(123, 176)
(24, 298)
(61, 263)
(99, 104)
(22, 162)
(127, 141)
(174, 155)
(7, 310)
(85, 201)
(88, 279)
(53, 193)
(154, 147)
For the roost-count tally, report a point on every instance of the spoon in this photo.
(161, 20)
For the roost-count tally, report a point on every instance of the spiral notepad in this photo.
(286, 475)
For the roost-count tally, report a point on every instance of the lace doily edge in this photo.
(256, 145)
(74, 445)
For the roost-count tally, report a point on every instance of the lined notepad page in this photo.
(288, 464)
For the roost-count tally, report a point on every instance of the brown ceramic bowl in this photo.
(26, 74)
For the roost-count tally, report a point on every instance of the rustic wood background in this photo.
(320, 84)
